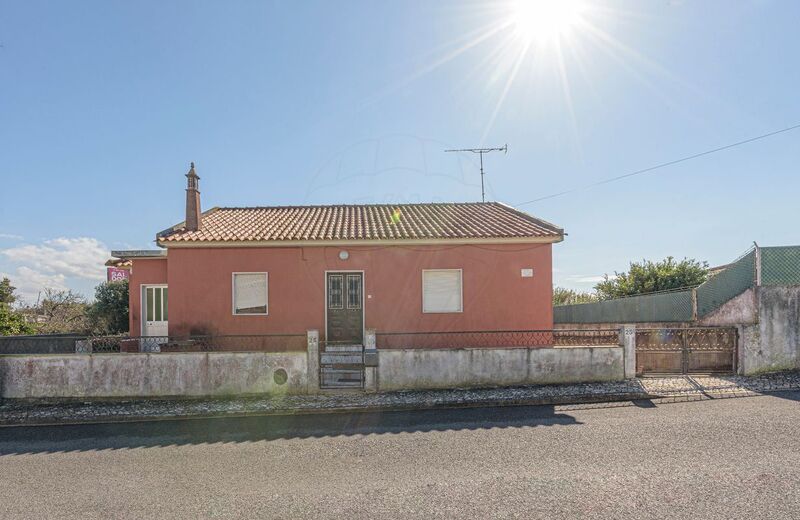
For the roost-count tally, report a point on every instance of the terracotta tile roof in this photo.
(118, 262)
(432, 221)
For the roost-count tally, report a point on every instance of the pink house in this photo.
(344, 269)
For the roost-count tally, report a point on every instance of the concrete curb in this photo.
(662, 398)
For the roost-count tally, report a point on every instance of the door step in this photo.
(342, 366)
(355, 347)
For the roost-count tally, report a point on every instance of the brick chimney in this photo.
(193, 222)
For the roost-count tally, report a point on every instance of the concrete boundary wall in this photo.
(768, 321)
(152, 375)
(774, 342)
(413, 369)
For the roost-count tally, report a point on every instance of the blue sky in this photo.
(103, 105)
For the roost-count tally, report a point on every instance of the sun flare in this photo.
(543, 21)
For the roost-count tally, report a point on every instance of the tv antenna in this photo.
(481, 151)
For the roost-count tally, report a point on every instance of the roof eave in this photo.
(139, 253)
(552, 239)
(530, 217)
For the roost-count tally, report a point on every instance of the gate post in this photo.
(370, 362)
(312, 361)
(627, 339)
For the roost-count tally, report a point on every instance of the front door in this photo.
(154, 311)
(345, 307)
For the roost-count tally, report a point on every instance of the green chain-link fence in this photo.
(731, 281)
(667, 306)
(780, 265)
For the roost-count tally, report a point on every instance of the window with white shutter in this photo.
(250, 293)
(441, 290)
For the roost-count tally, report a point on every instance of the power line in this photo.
(662, 165)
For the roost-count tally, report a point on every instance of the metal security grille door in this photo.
(686, 351)
(155, 310)
(345, 312)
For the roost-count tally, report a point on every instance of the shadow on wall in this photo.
(91, 437)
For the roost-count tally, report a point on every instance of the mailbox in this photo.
(370, 357)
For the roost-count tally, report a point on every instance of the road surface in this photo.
(729, 458)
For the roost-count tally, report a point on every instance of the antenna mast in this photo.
(481, 151)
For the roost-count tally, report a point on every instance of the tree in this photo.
(7, 292)
(564, 296)
(61, 312)
(13, 323)
(647, 277)
(109, 313)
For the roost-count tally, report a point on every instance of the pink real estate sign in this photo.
(115, 274)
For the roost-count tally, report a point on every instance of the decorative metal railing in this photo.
(695, 338)
(197, 343)
(497, 339)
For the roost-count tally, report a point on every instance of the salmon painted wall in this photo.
(143, 272)
(496, 297)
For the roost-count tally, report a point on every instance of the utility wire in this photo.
(662, 165)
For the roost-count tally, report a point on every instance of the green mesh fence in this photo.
(732, 281)
(668, 306)
(780, 265)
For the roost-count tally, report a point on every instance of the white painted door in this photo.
(154, 310)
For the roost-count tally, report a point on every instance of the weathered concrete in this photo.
(312, 360)
(405, 369)
(152, 375)
(773, 343)
(370, 379)
(628, 340)
(740, 310)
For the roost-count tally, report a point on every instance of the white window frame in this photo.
(233, 294)
(143, 305)
(460, 295)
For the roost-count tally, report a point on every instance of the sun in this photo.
(545, 21)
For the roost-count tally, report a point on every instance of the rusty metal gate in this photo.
(703, 350)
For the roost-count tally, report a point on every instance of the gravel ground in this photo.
(713, 459)
(16, 413)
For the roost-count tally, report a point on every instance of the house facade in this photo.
(344, 269)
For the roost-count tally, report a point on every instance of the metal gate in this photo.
(341, 366)
(704, 350)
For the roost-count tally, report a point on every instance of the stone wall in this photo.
(407, 369)
(152, 375)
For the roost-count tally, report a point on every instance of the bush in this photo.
(648, 277)
(564, 296)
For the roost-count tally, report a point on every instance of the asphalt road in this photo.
(731, 458)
